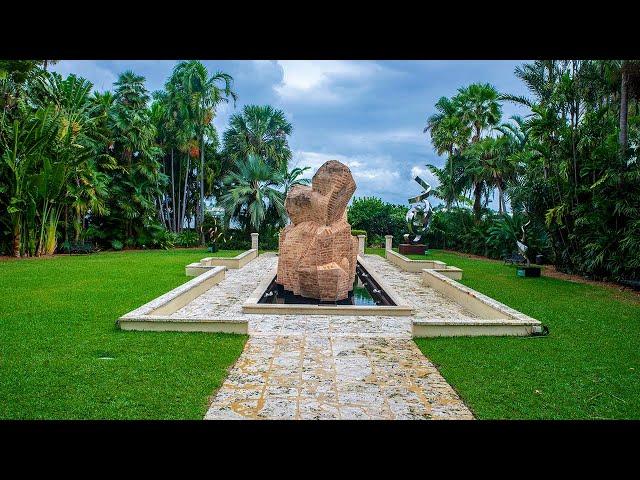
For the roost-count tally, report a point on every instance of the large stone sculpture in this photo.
(317, 251)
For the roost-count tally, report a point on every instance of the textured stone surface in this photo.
(330, 367)
(317, 251)
(316, 377)
(224, 302)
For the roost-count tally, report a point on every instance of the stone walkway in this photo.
(330, 367)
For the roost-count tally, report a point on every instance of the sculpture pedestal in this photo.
(407, 248)
(528, 272)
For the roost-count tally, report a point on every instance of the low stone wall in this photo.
(417, 266)
(206, 264)
(156, 314)
(481, 305)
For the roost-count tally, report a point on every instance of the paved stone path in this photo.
(322, 367)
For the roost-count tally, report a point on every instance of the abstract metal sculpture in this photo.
(419, 216)
(522, 247)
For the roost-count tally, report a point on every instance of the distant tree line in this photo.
(570, 167)
(128, 168)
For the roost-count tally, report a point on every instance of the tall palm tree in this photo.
(479, 107)
(252, 191)
(134, 144)
(449, 135)
(202, 94)
(259, 130)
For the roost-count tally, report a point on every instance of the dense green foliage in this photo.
(569, 169)
(377, 218)
(587, 368)
(130, 169)
(62, 357)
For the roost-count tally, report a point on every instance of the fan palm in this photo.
(259, 130)
(479, 107)
(251, 191)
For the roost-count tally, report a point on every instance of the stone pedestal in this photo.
(361, 239)
(317, 251)
(254, 241)
(409, 249)
(388, 242)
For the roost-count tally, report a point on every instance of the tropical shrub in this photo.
(187, 238)
(377, 218)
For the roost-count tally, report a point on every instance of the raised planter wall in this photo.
(206, 264)
(417, 266)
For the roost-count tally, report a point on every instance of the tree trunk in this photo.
(624, 109)
(16, 238)
(201, 212)
(184, 198)
(173, 196)
(477, 201)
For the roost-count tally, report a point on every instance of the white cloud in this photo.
(373, 138)
(425, 174)
(101, 77)
(372, 173)
(311, 80)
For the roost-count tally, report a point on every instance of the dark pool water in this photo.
(364, 293)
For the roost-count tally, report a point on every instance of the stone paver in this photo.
(330, 367)
(324, 377)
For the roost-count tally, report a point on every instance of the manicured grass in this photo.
(57, 325)
(587, 368)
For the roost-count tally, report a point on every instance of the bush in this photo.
(235, 240)
(494, 236)
(377, 219)
(116, 244)
(355, 233)
(188, 238)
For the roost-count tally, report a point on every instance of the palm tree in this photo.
(479, 107)
(201, 96)
(134, 142)
(450, 135)
(291, 178)
(259, 130)
(251, 192)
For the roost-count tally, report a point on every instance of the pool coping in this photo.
(156, 314)
(401, 308)
(496, 318)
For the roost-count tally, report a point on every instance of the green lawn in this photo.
(57, 319)
(587, 368)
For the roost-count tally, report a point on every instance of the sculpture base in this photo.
(528, 272)
(407, 248)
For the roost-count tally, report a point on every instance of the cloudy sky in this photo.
(367, 114)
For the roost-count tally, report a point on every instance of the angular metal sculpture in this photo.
(522, 247)
(419, 216)
(318, 254)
